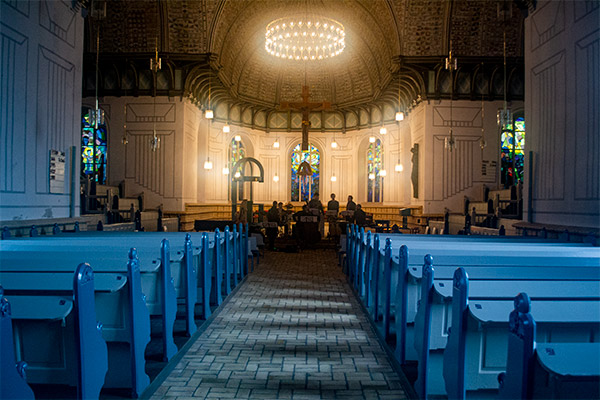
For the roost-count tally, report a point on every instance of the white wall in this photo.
(445, 177)
(562, 105)
(167, 176)
(40, 75)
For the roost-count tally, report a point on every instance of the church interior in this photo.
(452, 133)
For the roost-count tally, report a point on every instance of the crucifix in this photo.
(305, 107)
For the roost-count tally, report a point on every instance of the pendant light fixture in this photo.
(208, 113)
(226, 128)
(372, 139)
(225, 170)
(451, 65)
(155, 66)
(276, 143)
(276, 178)
(208, 165)
(383, 130)
(333, 178)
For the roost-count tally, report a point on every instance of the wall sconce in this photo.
(208, 165)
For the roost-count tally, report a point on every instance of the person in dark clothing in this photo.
(316, 203)
(333, 204)
(350, 206)
(360, 217)
(272, 216)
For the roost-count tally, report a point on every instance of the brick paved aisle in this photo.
(293, 330)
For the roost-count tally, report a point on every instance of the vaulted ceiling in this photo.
(222, 41)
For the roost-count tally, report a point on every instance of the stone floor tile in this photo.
(294, 330)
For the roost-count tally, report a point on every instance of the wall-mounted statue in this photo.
(414, 175)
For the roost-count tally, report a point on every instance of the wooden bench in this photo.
(546, 370)
(72, 351)
(13, 384)
(435, 314)
(221, 252)
(123, 313)
(475, 353)
(363, 258)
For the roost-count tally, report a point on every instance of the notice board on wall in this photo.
(57, 171)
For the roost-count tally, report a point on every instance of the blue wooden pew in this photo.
(72, 351)
(475, 354)
(489, 254)
(546, 370)
(13, 385)
(125, 316)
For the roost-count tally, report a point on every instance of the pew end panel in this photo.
(13, 385)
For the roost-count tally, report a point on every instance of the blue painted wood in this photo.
(401, 302)
(360, 259)
(454, 356)
(139, 320)
(91, 350)
(13, 385)
(190, 286)
(218, 269)
(228, 260)
(168, 303)
(5, 233)
(246, 251)
(521, 348)
(423, 327)
(206, 277)
(236, 253)
(362, 268)
(369, 272)
(566, 371)
(387, 271)
(376, 289)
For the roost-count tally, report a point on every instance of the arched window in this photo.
(512, 152)
(236, 153)
(305, 181)
(93, 148)
(374, 168)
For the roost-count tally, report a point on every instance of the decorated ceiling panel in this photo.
(221, 44)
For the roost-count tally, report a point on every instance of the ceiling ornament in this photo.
(305, 38)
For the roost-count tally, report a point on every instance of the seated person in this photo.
(360, 217)
(272, 216)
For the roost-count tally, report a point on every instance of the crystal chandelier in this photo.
(305, 38)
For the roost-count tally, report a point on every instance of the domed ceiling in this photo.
(379, 35)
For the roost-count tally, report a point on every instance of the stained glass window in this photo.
(512, 152)
(237, 151)
(303, 187)
(93, 149)
(374, 166)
